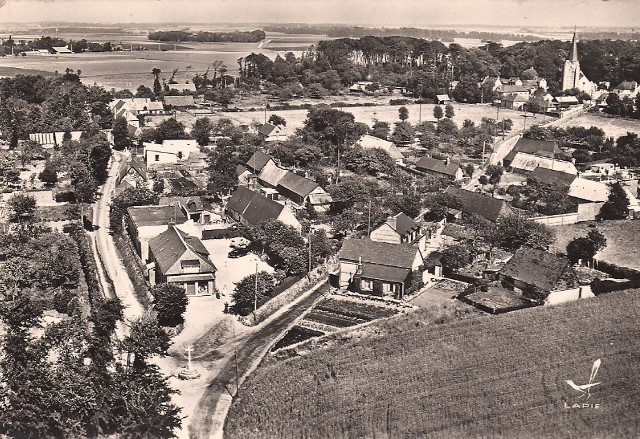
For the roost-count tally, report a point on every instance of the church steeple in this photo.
(573, 54)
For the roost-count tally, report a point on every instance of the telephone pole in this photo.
(369, 222)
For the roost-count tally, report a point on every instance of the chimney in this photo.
(446, 161)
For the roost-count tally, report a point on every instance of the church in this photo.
(573, 77)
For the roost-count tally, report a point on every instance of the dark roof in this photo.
(137, 164)
(257, 161)
(514, 89)
(573, 52)
(181, 183)
(253, 207)
(156, 215)
(404, 224)
(627, 85)
(385, 273)
(266, 129)
(438, 166)
(192, 204)
(381, 253)
(172, 244)
(474, 203)
(544, 148)
(240, 170)
(297, 184)
(536, 267)
(179, 101)
(551, 176)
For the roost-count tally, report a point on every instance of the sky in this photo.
(387, 13)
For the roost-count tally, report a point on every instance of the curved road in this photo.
(208, 421)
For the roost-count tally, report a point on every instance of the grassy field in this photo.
(612, 126)
(623, 241)
(499, 376)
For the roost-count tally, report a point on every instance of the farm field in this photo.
(332, 314)
(122, 70)
(612, 126)
(501, 376)
(623, 240)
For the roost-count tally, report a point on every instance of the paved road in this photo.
(106, 249)
(248, 352)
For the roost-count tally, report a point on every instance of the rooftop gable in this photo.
(537, 268)
(484, 206)
(173, 245)
(297, 184)
(439, 166)
(380, 253)
(258, 160)
(143, 216)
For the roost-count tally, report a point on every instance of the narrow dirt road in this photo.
(108, 257)
(204, 425)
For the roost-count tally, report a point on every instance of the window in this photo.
(190, 266)
(367, 284)
(157, 157)
(180, 154)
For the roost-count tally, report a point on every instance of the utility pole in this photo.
(369, 222)
(309, 239)
(420, 111)
(255, 294)
(338, 167)
(484, 144)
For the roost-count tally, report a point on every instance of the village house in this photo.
(295, 188)
(170, 151)
(181, 88)
(53, 139)
(541, 275)
(302, 190)
(399, 229)
(147, 222)
(360, 87)
(440, 168)
(195, 208)
(544, 148)
(245, 176)
(132, 173)
(485, 206)
(249, 207)
(513, 101)
(371, 142)
(628, 89)
(552, 176)
(524, 163)
(564, 102)
(179, 102)
(178, 258)
(442, 99)
(272, 133)
(378, 268)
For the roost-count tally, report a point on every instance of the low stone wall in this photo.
(557, 220)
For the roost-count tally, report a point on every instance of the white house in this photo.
(371, 142)
(170, 151)
(272, 133)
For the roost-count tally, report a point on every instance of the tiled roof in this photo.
(137, 164)
(550, 176)
(156, 215)
(252, 206)
(173, 245)
(266, 129)
(179, 101)
(404, 224)
(485, 206)
(589, 190)
(545, 148)
(385, 273)
(271, 175)
(297, 184)
(381, 253)
(515, 98)
(192, 204)
(438, 166)
(627, 85)
(529, 162)
(514, 89)
(536, 267)
(258, 160)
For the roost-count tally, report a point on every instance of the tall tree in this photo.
(157, 88)
(437, 112)
(617, 205)
(403, 113)
(23, 208)
(120, 132)
(202, 130)
(448, 111)
(170, 302)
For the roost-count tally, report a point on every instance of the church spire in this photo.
(573, 54)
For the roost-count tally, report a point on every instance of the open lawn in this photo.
(612, 126)
(385, 112)
(623, 240)
(501, 376)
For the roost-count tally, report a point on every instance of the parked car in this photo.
(238, 252)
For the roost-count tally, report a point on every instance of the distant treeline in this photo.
(208, 37)
(446, 35)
